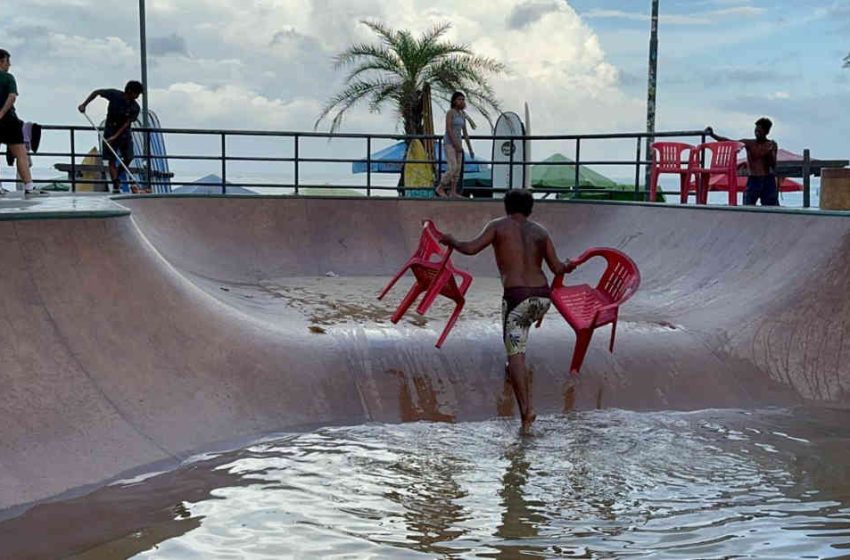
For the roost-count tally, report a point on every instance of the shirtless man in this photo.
(761, 157)
(521, 246)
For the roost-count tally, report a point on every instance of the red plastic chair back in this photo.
(667, 156)
(586, 308)
(621, 279)
(724, 155)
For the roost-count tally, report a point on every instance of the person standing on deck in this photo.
(455, 127)
(11, 127)
(520, 246)
(761, 157)
(120, 114)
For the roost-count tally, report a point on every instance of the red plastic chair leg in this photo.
(653, 185)
(392, 282)
(582, 343)
(408, 300)
(451, 323)
(684, 181)
(434, 290)
(732, 180)
(613, 336)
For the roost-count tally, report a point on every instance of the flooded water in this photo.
(603, 484)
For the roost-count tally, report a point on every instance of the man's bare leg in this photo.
(22, 162)
(519, 379)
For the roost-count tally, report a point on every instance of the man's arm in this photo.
(474, 246)
(119, 132)
(710, 131)
(10, 102)
(89, 99)
(555, 264)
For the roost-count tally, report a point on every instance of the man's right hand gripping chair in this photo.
(586, 308)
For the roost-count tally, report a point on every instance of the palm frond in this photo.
(347, 98)
(396, 69)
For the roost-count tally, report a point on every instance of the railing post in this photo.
(807, 180)
(148, 166)
(510, 164)
(637, 169)
(73, 163)
(368, 166)
(296, 163)
(577, 169)
(440, 160)
(223, 163)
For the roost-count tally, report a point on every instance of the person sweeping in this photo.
(121, 112)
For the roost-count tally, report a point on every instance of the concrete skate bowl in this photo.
(133, 342)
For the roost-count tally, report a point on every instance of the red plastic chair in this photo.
(586, 308)
(723, 161)
(667, 159)
(435, 275)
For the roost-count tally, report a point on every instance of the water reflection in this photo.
(602, 484)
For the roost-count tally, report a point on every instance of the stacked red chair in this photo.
(434, 275)
(586, 308)
(672, 158)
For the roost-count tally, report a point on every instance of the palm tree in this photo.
(396, 70)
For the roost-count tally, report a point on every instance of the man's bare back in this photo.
(520, 246)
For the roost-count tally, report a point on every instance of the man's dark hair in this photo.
(519, 201)
(4, 54)
(765, 123)
(134, 87)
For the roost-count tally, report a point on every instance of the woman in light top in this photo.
(455, 126)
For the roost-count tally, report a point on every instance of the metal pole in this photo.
(577, 168)
(296, 164)
(637, 169)
(223, 163)
(807, 178)
(73, 163)
(652, 82)
(143, 47)
(368, 166)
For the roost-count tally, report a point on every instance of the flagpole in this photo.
(651, 86)
(143, 42)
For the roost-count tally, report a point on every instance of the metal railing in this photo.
(224, 158)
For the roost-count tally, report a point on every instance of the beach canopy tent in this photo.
(389, 160)
(563, 177)
(210, 184)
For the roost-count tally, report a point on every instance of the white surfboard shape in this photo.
(527, 149)
(508, 154)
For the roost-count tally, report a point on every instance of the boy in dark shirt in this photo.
(120, 114)
(761, 157)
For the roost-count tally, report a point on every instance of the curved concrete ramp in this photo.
(198, 322)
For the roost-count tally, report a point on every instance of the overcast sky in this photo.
(581, 65)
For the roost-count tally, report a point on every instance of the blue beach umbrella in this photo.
(389, 160)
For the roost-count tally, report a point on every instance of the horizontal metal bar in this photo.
(350, 135)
